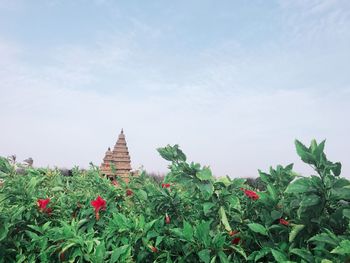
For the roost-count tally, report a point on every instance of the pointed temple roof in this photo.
(118, 159)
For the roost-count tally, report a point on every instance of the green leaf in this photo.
(117, 252)
(295, 231)
(3, 232)
(318, 150)
(279, 256)
(324, 238)
(57, 189)
(343, 249)
(313, 145)
(204, 255)
(223, 218)
(238, 182)
(205, 174)
(303, 253)
(172, 153)
(300, 186)
(272, 192)
(159, 240)
(346, 213)
(76, 253)
(235, 203)
(266, 178)
(310, 200)
(257, 228)
(341, 182)
(276, 214)
(341, 193)
(32, 235)
(20, 258)
(262, 253)
(304, 153)
(46, 225)
(5, 166)
(36, 228)
(90, 245)
(177, 231)
(223, 257)
(206, 188)
(141, 194)
(202, 233)
(240, 251)
(67, 247)
(149, 225)
(337, 169)
(225, 180)
(207, 206)
(187, 231)
(179, 154)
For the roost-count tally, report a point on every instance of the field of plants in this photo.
(190, 217)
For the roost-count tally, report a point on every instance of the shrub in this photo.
(189, 217)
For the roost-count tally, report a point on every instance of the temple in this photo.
(117, 162)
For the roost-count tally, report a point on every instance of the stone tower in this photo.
(118, 158)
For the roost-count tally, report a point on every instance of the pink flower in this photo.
(165, 185)
(129, 192)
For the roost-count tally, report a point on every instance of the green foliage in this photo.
(294, 218)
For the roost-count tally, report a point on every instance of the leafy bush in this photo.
(189, 217)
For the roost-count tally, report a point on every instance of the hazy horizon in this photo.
(234, 83)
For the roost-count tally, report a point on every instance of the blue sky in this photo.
(233, 82)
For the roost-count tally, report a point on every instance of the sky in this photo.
(234, 83)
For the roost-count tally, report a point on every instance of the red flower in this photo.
(98, 204)
(235, 241)
(48, 211)
(62, 256)
(167, 219)
(251, 194)
(129, 192)
(284, 222)
(165, 185)
(42, 203)
(154, 249)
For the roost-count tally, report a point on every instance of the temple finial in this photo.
(122, 131)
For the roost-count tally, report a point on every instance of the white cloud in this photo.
(236, 135)
(317, 22)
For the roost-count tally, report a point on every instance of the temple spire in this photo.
(119, 158)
